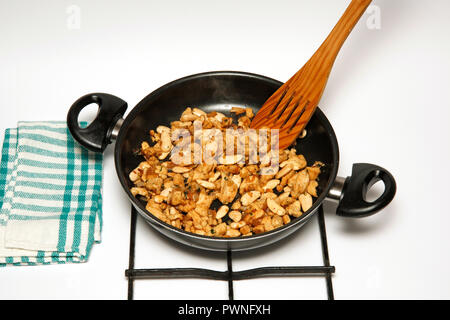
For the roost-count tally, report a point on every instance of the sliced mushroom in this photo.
(179, 169)
(206, 184)
(275, 207)
(222, 212)
(271, 184)
(250, 197)
(306, 201)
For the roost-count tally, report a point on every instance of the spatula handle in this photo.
(330, 47)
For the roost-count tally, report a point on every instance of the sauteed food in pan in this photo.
(217, 92)
(193, 182)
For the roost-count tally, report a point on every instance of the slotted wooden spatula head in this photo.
(290, 108)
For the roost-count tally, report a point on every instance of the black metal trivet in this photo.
(172, 273)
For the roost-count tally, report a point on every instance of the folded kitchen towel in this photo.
(50, 196)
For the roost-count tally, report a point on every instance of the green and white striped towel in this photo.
(50, 196)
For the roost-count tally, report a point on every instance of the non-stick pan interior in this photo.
(217, 92)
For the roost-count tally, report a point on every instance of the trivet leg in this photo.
(230, 276)
(132, 249)
(326, 258)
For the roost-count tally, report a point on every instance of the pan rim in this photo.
(148, 216)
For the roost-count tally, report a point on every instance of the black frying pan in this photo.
(219, 91)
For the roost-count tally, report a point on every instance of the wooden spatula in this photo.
(292, 105)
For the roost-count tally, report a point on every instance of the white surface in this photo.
(387, 99)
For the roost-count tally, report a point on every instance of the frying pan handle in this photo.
(98, 134)
(352, 201)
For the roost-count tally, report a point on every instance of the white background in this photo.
(387, 98)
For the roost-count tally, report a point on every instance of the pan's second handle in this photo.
(352, 201)
(97, 135)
